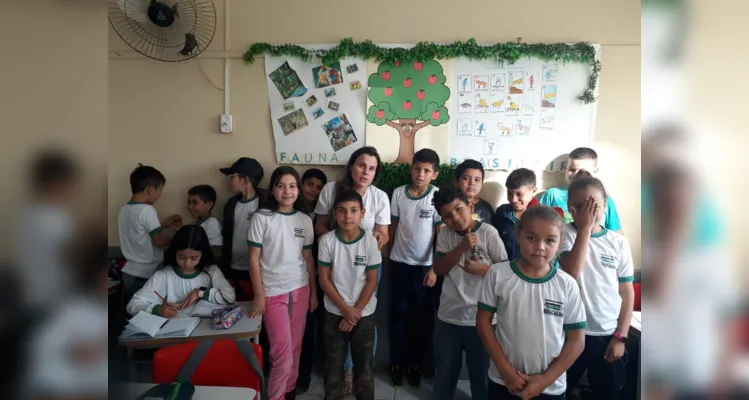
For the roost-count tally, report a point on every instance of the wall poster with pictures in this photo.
(521, 114)
(318, 112)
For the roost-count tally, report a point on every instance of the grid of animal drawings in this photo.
(505, 104)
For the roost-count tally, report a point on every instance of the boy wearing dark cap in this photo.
(244, 176)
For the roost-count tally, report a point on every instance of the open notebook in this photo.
(145, 325)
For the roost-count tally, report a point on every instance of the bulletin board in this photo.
(317, 112)
(518, 115)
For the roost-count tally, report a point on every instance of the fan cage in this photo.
(130, 20)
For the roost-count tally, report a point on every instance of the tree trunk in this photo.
(406, 149)
(407, 129)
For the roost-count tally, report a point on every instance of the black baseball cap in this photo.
(246, 166)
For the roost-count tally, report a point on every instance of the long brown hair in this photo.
(347, 183)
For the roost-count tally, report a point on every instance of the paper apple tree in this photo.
(408, 97)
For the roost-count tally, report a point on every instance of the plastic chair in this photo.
(223, 365)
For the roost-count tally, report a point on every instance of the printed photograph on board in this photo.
(339, 132)
(293, 122)
(325, 76)
(287, 81)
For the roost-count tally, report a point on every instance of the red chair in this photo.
(223, 365)
(638, 296)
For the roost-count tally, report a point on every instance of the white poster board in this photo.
(520, 115)
(323, 130)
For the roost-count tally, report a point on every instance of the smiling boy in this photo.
(521, 187)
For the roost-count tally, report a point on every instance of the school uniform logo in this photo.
(250, 214)
(608, 261)
(553, 308)
(299, 232)
(360, 261)
(477, 253)
(425, 213)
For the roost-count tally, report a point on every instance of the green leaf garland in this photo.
(501, 52)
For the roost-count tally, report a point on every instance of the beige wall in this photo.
(53, 93)
(166, 115)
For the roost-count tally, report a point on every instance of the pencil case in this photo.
(225, 318)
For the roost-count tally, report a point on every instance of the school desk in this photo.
(134, 390)
(245, 329)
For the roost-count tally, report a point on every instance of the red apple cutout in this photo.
(386, 75)
(380, 114)
(407, 82)
(435, 115)
(421, 94)
(418, 65)
(397, 63)
(407, 105)
(432, 79)
(388, 91)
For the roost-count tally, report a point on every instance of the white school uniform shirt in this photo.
(348, 263)
(282, 237)
(52, 370)
(45, 232)
(137, 222)
(460, 290)
(608, 263)
(416, 218)
(243, 212)
(375, 201)
(174, 286)
(533, 315)
(212, 229)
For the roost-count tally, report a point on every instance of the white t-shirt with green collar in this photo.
(212, 229)
(607, 264)
(533, 315)
(348, 263)
(460, 289)
(282, 238)
(416, 218)
(243, 212)
(136, 223)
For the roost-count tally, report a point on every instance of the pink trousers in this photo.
(285, 316)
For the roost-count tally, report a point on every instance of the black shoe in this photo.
(414, 375)
(396, 376)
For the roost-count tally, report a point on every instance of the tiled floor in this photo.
(383, 390)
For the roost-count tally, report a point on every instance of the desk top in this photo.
(245, 328)
(134, 390)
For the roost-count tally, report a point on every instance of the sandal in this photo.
(348, 383)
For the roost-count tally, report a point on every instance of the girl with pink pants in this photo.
(280, 241)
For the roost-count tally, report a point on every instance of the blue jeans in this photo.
(348, 365)
(452, 341)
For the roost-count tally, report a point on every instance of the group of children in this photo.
(527, 297)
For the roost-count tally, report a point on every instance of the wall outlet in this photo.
(227, 126)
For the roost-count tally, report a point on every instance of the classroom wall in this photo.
(166, 114)
(53, 91)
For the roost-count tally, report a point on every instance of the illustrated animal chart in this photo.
(519, 115)
(317, 115)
